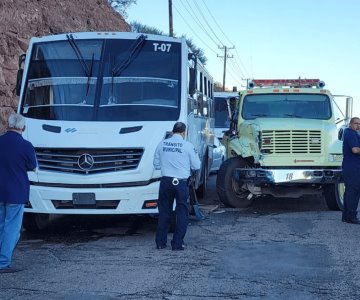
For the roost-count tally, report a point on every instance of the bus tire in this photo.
(228, 189)
(201, 190)
(35, 222)
(334, 196)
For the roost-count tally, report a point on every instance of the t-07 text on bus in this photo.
(96, 106)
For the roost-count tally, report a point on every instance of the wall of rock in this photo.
(22, 19)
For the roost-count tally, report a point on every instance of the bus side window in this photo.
(192, 106)
(205, 86)
(200, 104)
(205, 109)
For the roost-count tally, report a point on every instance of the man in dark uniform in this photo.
(17, 156)
(351, 171)
(176, 158)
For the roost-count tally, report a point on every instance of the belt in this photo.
(175, 181)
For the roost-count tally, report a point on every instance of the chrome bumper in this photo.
(288, 176)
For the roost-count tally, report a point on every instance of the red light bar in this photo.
(285, 82)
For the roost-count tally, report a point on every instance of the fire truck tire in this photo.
(35, 222)
(229, 190)
(334, 196)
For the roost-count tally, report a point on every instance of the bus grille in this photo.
(290, 141)
(88, 161)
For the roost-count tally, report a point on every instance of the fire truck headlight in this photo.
(335, 158)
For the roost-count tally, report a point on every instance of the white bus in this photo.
(96, 106)
(222, 113)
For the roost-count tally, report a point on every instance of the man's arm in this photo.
(351, 139)
(31, 163)
(195, 162)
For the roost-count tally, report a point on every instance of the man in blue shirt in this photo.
(176, 158)
(351, 171)
(17, 156)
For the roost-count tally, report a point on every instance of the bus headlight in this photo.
(335, 157)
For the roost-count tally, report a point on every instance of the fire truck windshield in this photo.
(305, 106)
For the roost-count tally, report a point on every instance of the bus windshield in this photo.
(305, 106)
(103, 80)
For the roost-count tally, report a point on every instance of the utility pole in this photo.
(226, 56)
(171, 29)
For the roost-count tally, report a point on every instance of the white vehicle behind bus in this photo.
(222, 113)
(96, 106)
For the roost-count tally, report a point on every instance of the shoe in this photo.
(159, 247)
(10, 270)
(352, 221)
(178, 248)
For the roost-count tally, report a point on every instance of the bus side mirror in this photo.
(192, 81)
(20, 73)
(192, 73)
(18, 81)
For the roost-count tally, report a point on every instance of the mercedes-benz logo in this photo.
(85, 162)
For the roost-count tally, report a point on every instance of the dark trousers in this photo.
(351, 199)
(167, 193)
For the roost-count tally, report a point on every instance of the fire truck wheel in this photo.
(334, 196)
(230, 191)
(35, 222)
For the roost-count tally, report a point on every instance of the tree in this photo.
(138, 27)
(198, 51)
(121, 5)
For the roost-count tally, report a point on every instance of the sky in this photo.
(278, 39)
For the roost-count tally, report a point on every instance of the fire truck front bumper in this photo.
(288, 176)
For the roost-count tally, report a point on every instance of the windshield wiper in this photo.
(76, 49)
(89, 75)
(293, 116)
(259, 115)
(87, 70)
(134, 50)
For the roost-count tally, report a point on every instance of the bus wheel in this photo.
(334, 196)
(201, 190)
(229, 190)
(35, 222)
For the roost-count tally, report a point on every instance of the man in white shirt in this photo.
(176, 158)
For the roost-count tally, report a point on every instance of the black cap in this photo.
(179, 127)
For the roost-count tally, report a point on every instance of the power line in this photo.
(196, 20)
(200, 39)
(201, 13)
(216, 22)
(248, 74)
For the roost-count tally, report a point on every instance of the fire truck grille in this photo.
(291, 141)
(88, 161)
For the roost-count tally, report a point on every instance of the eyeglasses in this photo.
(355, 123)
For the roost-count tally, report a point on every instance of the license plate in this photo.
(84, 198)
(292, 176)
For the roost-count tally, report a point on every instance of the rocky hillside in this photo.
(22, 19)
